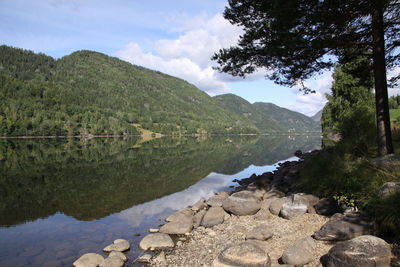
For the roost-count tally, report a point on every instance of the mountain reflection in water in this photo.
(65, 194)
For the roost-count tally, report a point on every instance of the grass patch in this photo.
(394, 114)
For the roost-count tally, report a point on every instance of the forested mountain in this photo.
(269, 116)
(249, 112)
(91, 93)
(290, 120)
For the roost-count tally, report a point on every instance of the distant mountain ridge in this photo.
(89, 93)
(268, 115)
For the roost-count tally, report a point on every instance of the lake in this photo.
(61, 198)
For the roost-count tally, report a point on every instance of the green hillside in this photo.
(91, 93)
(249, 112)
(269, 117)
(290, 120)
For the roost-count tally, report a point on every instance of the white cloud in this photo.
(189, 55)
(312, 103)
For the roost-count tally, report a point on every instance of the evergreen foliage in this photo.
(90, 93)
(293, 40)
(350, 107)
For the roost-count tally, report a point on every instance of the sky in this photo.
(177, 37)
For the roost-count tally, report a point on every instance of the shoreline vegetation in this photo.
(157, 135)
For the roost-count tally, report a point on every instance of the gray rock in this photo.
(300, 253)
(312, 200)
(112, 262)
(185, 225)
(214, 216)
(89, 260)
(241, 203)
(276, 205)
(343, 227)
(198, 217)
(327, 207)
(217, 200)
(246, 254)
(145, 258)
(260, 232)
(389, 162)
(295, 206)
(262, 215)
(199, 205)
(361, 251)
(118, 245)
(180, 215)
(388, 189)
(118, 254)
(156, 241)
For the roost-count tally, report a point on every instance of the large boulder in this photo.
(89, 260)
(300, 253)
(156, 241)
(215, 215)
(344, 227)
(199, 205)
(276, 205)
(388, 189)
(327, 207)
(118, 245)
(296, 205)
(361, 251)
(247, 254)
(241, 203)
(217, 199)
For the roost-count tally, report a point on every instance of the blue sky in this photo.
(177, 37)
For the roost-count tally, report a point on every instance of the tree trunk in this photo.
(384, 133)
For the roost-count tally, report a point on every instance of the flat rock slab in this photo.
(344, 227)
(327, 207)
(361, 251)
(244, 254)
(241, 203)
(185, 225)
(300, 253)
(260, 232)
(180, 215)
(89, 260)
(118, 245)
(156, 241)
(215, 215)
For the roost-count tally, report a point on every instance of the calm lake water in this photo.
(60, 199)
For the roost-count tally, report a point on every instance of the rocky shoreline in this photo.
(266, 222)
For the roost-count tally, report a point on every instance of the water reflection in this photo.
(76, 196)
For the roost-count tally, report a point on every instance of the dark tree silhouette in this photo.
(295, 39)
